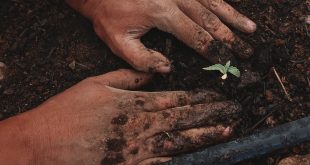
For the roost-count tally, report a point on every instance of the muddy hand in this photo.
(97, 122)
(121, 23)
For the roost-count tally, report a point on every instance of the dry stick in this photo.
(282, 85)
(260, 121)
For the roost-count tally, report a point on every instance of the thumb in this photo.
(140, 57)
(124, 79)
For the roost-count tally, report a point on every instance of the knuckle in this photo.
(215, 4)
(139, 102)
(201, 40)
(211, 21)
(144, 102)
(165, 13)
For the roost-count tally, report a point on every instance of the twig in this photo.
(282, 85)
(82, 65)
(263, 119)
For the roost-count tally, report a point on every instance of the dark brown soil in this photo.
(48, 47)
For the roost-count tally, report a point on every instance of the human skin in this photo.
(121, 23)
(296, 160)
(98, 122)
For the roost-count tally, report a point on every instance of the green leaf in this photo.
(234, 71)
(218, 67)
(227, 65)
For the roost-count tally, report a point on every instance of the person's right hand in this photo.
(121, 23)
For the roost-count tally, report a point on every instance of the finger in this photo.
(194, 116)
(187, 31)
(211, 23)
(183, 141)
(157, 101)
(230, 15)
(124, 79)
(153, 161)
(160, 119)
(140, 57)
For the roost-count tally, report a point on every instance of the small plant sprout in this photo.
(224, 69)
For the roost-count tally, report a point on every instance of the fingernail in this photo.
(163, 67)
(243, 49)
(251, 26)
(227, 132)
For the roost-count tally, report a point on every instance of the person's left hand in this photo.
(97, 122)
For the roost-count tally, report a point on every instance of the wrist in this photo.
(86, 7)
(16, 139)
(26, 135)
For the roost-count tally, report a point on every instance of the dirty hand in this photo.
(97, 122)
(121, 23)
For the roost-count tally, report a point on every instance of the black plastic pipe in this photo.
(286, 135)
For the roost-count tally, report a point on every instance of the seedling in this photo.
(224, 69)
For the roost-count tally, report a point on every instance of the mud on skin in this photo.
(175, 142)
(212, 115)
(122, 145)
(112, 159)
(204, 96)
(120, 120)
(116, 144)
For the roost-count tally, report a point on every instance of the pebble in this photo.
(72, 65)
(2, 70)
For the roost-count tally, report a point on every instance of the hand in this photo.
(121, 23)
(296, 160)
(95, 122)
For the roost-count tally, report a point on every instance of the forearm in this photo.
(85, 7)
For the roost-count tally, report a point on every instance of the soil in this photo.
(47, 47)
